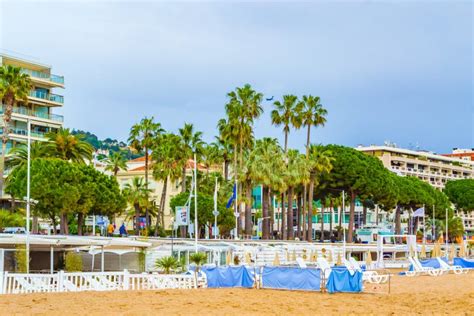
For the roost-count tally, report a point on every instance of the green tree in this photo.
(14, 87)
(167, 167)
(191, 143)
(461, 194)
(142, 138)
(286, 114)
(137, 196)
(64, 145)
(116, 162)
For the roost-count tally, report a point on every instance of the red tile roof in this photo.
(460, 155)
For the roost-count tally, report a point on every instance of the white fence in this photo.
(16, 283)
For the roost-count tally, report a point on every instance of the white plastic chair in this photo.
(324, 265)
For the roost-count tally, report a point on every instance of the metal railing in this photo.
(30, 112)
(43, 75)
(47, 96)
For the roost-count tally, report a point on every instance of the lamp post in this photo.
(28, 201)
(195, 206)
(343, 222)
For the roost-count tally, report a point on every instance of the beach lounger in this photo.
(369, 276)
(419, 269)
(325, 267)
(446, 267)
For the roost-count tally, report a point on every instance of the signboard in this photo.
(182, 216)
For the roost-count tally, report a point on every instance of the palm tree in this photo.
(320, 160)
(211, 156)
(310, 113)
(286, 114)
(64, 145)
(116, 162)
(14, 87)
(167, 167)
(297, 172)
(19, 155)
(266, 168)
(167, 264)
(137, 195)
(191, 143)
(199, 259)
(225, 151)
(142, 137)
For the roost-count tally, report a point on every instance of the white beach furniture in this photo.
(325, 267)
(369, 276)
(446, 267)
(418, 269)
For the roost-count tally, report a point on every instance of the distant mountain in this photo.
(106, 145)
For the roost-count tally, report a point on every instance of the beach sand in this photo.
(447, 294)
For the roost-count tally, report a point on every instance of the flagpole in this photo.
(236, 207)
(343, 222)
(195, 206)
(424, 224)
(215, 211)
(433, 226)
(446, 233)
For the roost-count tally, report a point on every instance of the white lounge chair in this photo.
(369, 276)
(324, 265)
(446, 267)
(301, 263)
(419, 269)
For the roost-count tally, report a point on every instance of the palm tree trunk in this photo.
(331, 205)
(271, 212)
(289, 212)
(284, 233)
(298, 215)
(80, 222)
(147, 217)
(265, 221)
(183, 179)
(248, 210)
(310, 210)
(304, 220)
(350, 229)
(340, 231)
(321, 239)
(226, 169)
(34, 225)
(163, 203)
(9, 101)
(364, 215)
(137, 219)
(13, 204)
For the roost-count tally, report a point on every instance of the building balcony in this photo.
(24, 132)
(43, 76)
(56, 98)
(29, 112)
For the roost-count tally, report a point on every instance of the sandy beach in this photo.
(447, 294)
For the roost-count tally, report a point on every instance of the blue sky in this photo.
(385, 70)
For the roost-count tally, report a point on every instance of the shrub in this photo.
(20, 259)
(73, 262)
(167, 264)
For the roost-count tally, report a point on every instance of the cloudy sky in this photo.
(386, 70)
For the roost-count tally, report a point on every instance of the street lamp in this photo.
(28, 200)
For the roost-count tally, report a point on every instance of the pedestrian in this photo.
(110, 230)
(123, 230)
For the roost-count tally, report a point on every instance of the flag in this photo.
(232, 198)
(419, 212)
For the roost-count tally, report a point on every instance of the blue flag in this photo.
(232, 198)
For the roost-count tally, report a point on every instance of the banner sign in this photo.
(182, 215)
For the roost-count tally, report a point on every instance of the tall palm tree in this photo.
(64, 145)
(297, 172)
(167, 167)
(137, 195)
(191, 143)
(311, 113)
(116, 162)
(285, 114)
(211, 156)
(320, 160)
(267, 168)
(14, 87)
(225, 151)
(142, 137)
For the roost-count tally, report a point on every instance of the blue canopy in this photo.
(465, 263)
(228, 277)
(342, 281)
(291, 278)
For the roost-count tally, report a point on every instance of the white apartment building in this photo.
(430, 167)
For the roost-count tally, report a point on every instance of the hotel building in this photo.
(432, 168)
(38, 108)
